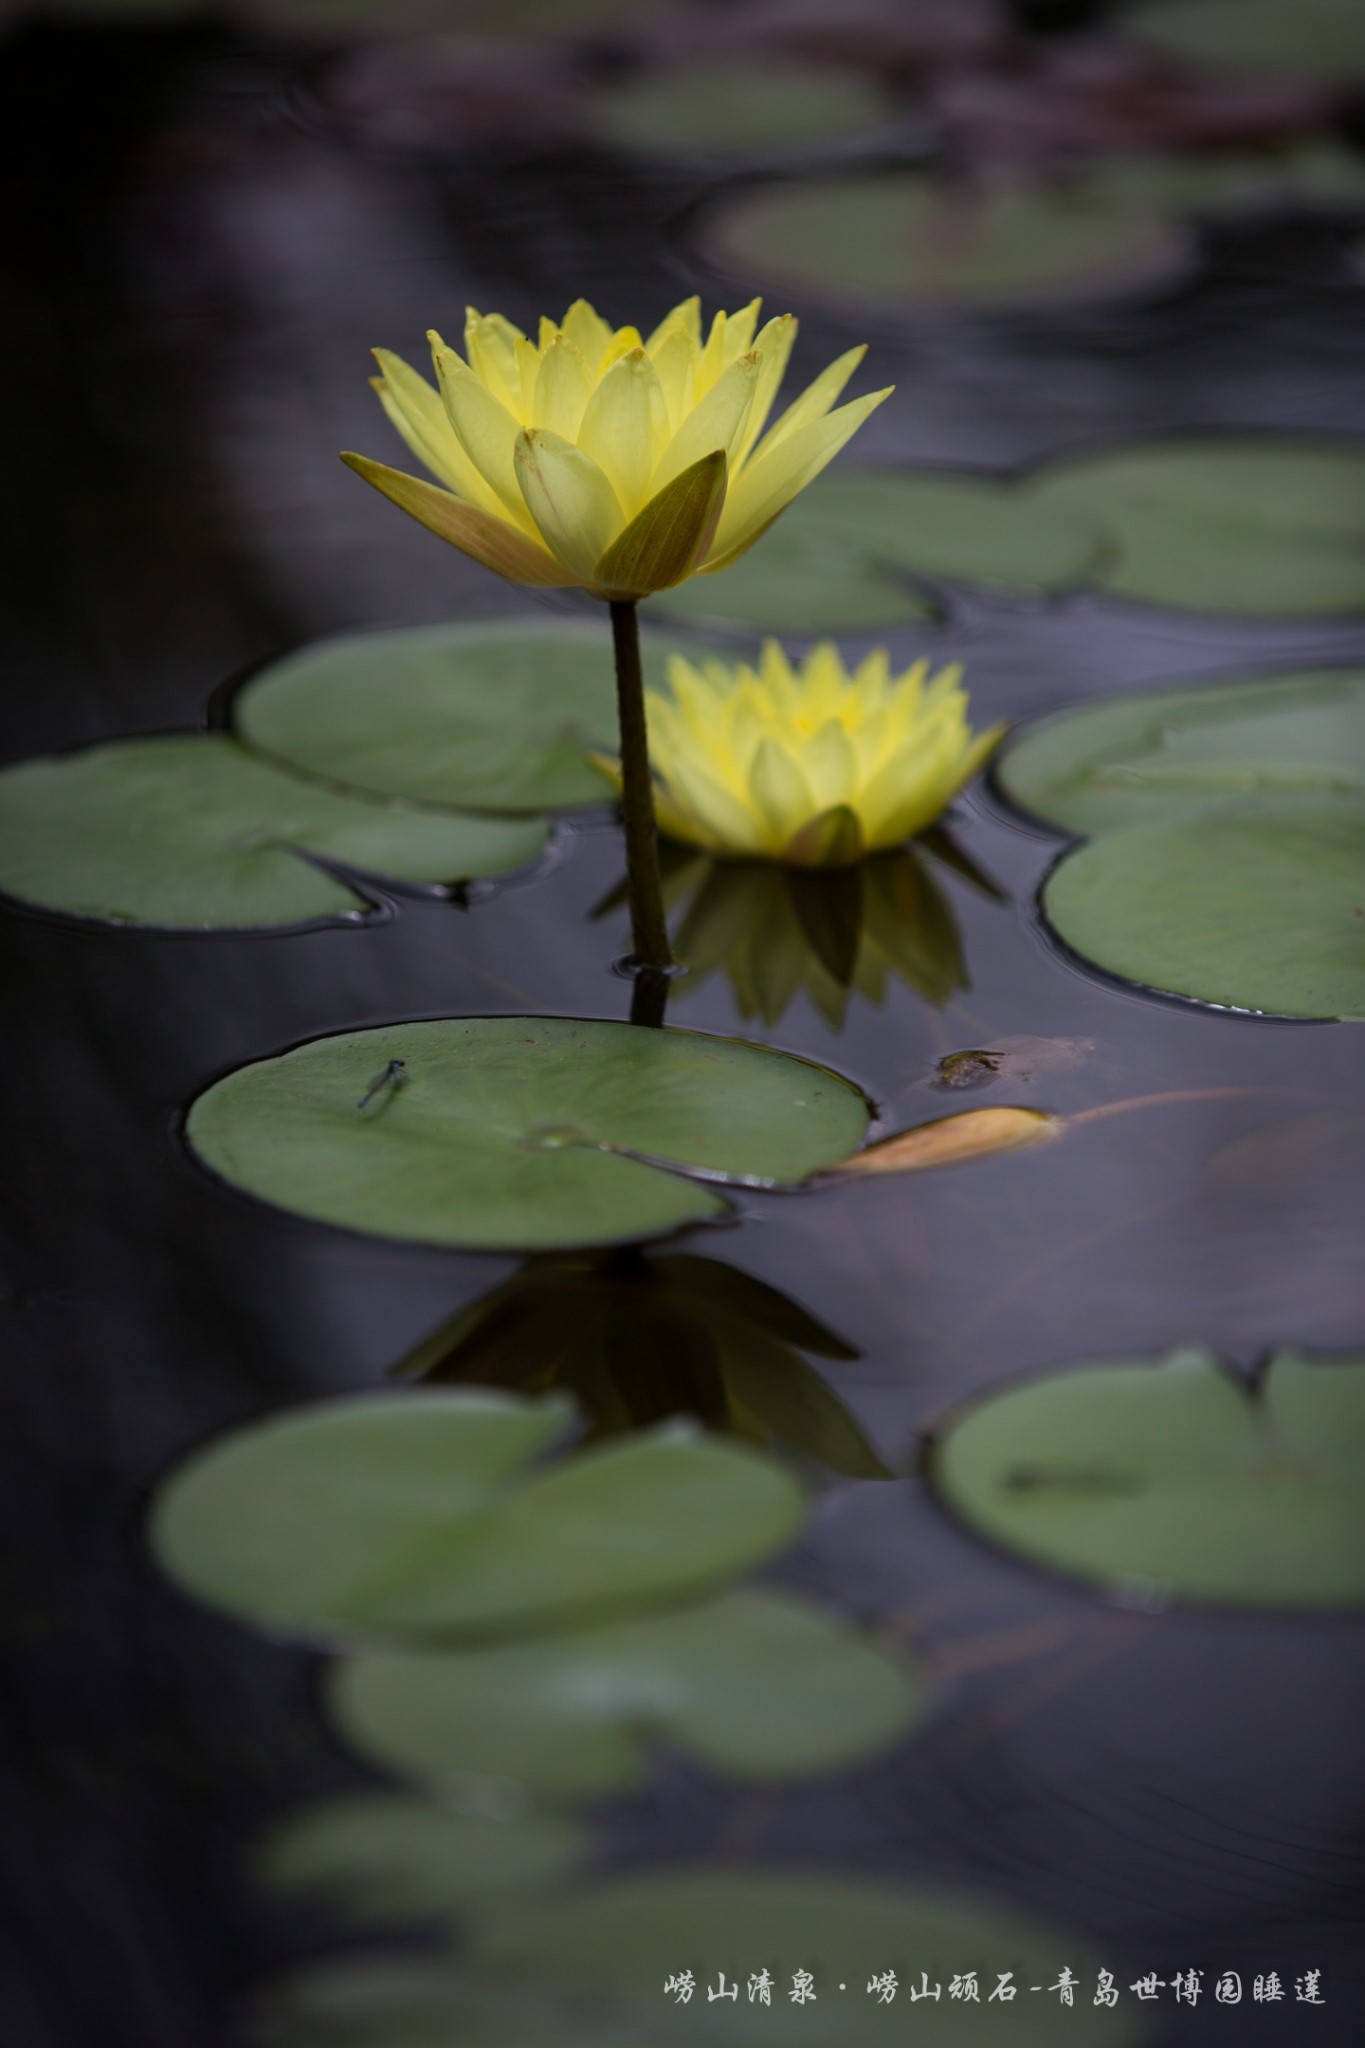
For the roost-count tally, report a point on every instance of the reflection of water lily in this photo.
(597, 458)
(638, 1339)
(815, 766)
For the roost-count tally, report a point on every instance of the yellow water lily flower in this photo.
(814, 766)
(594, 458)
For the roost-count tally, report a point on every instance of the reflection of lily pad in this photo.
(1313, 38)
(753, 1686)
(732, 109)
(416, 1512)
(1214, 523)
(493, 715)
(379, 1856)
(504, 1130)
(630, 1935)
(1176, 1476)
(192, 832)
(1256, 904)
(914, 236)
(1155, 753)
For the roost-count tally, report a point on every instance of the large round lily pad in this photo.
(1313, 38)
(191, 832)
(381, 1856)
(417, 1513)
(1176, 1478)
(754, 1685)
(803, 578)
(1257, 904)
(514, 1132)
(913, 236)
(1215, 523)
(493, 716)
(732, 109)
(1156, 753)
(623, 1940)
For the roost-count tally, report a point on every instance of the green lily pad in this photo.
(801, 578)
(1158, 753)
(914, 236)
(517, 1132)
(754, 1686)
(623, 1940)
(419, 2002)
(733, 109)
(1254, 905)
(1261, 525)
(496, 715)
(415, 1513)
(1176, 1478)
(1310, 38)
(379, 1856)
(191, 832)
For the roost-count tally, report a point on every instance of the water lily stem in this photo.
(648, 923)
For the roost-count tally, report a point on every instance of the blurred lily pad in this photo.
(407, 2001)
(381, 1856)
(520, 1133)
(650, 1925)
(803, 579)
(754, 1686)
(1158, 753)
(496, 715)
(733, 109)
(192, 832)
(1261, 525)
(417, 1513)
(1310, 38)
(1176, 1477)
(914, 236)
(1254, 905)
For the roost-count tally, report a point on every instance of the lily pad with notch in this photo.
(522, 1133)
(190, 832)
(422, 1515)
(756, 1685)
(490, 715)
(1176, 1477)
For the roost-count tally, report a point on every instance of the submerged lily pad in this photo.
(1257, 904)
(1310, 38)
(1157, 753)
(191, 832)
(754, 1686)
(733, 109)
(498, 715)
(1175, 1477)
(517, 1132)
(417, 1512)
(911, 235)
(380, 1856)
(1261, 525)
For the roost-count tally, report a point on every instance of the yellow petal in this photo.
(834, 839)
(589, 333)
(485, 429)
(664, 542)
(563, 388)
(684, 318)
(816, 400)
(730, 823)
(675, 365)
(625, 426)
(415, 409)
(498, 546)
(574, 507)
(831, 765)
(769, 482)
(779, 790)
(774, 347)
(491, 351)
(717, 422)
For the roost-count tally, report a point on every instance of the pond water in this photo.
(193, 279)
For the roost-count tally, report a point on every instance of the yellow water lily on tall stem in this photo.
(598, 459)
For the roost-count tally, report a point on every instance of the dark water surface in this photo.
(193, 269)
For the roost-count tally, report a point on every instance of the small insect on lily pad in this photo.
(1175, 1478)
(190, 832)
(755, 1685)
(421, 1513)
(520, 1133)
(493, 715)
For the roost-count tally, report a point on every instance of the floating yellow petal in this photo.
(814, 766)
(591, 457)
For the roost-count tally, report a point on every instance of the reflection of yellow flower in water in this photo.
(594, 457)
(816, 767)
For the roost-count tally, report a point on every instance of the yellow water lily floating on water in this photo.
(593, 457)
(817, 766)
